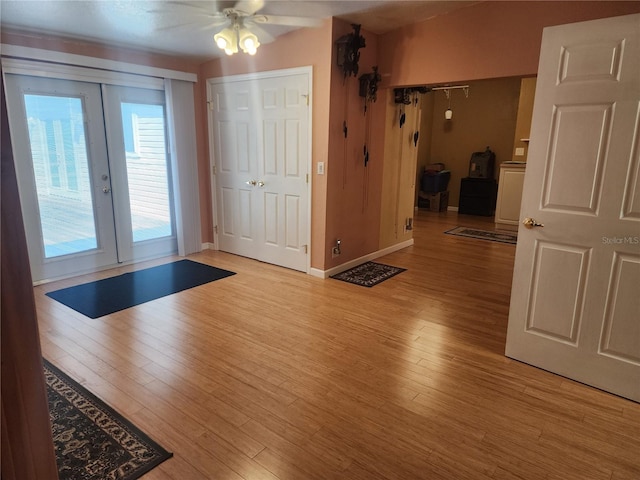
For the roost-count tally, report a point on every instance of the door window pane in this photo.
(63, 183)
(147, 170)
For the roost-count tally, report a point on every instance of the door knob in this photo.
(531, 222)
(261, 183)
(106, 189)
(251, 182)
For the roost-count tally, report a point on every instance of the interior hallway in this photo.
(274, 374)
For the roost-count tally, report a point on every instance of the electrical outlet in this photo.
(320, 168)
(335, 251)
(520, 152)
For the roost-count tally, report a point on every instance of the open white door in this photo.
(575, 301)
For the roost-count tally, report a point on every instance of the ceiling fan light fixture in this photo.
(225, 39)
(248, 41)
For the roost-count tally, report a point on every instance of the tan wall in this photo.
(486, 118)
(399, 176)
(525, 114)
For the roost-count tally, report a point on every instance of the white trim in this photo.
(212, 163)
(354, 263)
(208, 246)
(181, 119)
(18, 51)
(452, 209)
(285, 72)
(79, 74)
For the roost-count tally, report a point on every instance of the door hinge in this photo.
(306, 249)
(306, 98)
(214, 170)
(215, 229)
(307, 178)
(210, 104)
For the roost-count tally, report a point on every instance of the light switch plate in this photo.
(320, 168)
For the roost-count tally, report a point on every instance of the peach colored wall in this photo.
(298, 48)
(487, 40)
(60, 44)
(353, 191)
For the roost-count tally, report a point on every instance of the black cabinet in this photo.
(478, 196)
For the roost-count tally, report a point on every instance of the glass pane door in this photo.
(136, 126)
(93, 174)
(61, 168)
(63, 174)
(147, 170)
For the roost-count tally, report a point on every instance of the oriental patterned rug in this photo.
(494, 236)
(368, 274)
(91, 440)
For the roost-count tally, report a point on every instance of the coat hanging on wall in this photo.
(347, 48)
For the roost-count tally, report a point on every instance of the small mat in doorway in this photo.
(91, 440)
(110, 295)
(368, 274)
(494, 236)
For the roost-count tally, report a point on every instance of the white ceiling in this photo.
(183, 27)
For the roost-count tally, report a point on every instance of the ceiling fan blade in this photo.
(289, 21)
(171, 4)
(261, 33)
(189, 25)
(249, 6)
(217, 21)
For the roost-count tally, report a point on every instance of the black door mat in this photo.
(368, 274)
(110, 295)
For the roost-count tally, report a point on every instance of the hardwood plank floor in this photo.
(276, 375)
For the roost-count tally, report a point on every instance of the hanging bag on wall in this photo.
(481, 164)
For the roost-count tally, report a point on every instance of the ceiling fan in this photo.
(238, 27)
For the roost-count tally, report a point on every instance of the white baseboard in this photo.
(315, 272)
(208, 246)
(354, 263)
(452, 209)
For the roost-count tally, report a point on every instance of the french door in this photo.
(93, 173)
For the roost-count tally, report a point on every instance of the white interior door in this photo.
(260, 142)
(575, 301)
(92, 172)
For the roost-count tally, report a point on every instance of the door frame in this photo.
(269, 74)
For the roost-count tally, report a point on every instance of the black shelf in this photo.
(478, 196)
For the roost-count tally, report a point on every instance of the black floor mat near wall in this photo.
(102, 297)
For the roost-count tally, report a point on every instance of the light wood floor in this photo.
(273, 374)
